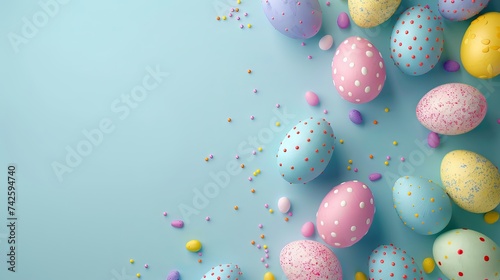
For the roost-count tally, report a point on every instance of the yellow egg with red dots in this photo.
(467, 254)
(479, 51)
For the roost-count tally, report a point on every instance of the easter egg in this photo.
(390, 262)
(417, 41)
(370, 13)
(269, 276)
(325, 43)
(308, 259)
(452, 109)
(284, 204)
(428, 265)
(174, 275)
(223, 271)
(193, 246)
(467, 254)
(461, 10)
(471, 181)
(422, 205)
(307, 229)
(358, 70)
(345, 214)
(298, 19)
(306, 150)
(480, 44)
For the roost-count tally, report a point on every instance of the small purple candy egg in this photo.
(355, 117)
(451, 66)
(375, 176)
(177, 224)
(433, 140)
(343, 20)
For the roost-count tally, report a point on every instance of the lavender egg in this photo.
(295, 19)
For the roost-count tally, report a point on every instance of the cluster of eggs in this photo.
(469, 180)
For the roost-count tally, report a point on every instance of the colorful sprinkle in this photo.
(138, 275)
(131, 261)
(236, 207)
(386, 110)
(491, 217)
(395, 143)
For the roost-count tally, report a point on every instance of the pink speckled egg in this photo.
(345, 214)
(452, 109)
(358, 70)
(308, 259)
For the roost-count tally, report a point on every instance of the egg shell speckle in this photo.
(295, 19)
(452, 109)
(223, 271)
(358, 70)
(467, 254)
(480, 44)
(417, 41)
(471, 181)
(308, 259)
(306, 150)
(345, 214)
(461, 10)
(370, 13)
(390, 262)
(422, 205)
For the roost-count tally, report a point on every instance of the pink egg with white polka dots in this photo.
(345, 214)
(358, 70)
(467, 254)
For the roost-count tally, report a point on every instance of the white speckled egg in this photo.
(471, 180)
(461, 10)
(358, 70)
(298, 19)
(417, 41)
(308, 259)
(345, 214)
(370, 13)
(422, 205)
(223, 271)
(306, 150)
(452, 109)
(390, 262)
(467, 254)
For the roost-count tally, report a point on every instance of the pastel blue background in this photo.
(70, 75)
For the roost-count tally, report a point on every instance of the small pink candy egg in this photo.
(307, 229)
(312, 98)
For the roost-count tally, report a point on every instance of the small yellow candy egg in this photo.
(428, 265)
(269, 276)
(193, 245)
(360, 276)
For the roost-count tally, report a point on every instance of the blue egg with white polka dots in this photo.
(306, 150)
(417, 41)
(422, 205)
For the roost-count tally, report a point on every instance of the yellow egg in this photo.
(269, 276)
(491, 217)
(479, 52)
(471, 181)
(360, 276)
(193, 245)
(371, 13)
(428, 265)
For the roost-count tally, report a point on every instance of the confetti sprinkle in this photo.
(271, 211)
(252, 190)
(260, 225)
(218, 18)
(207, 218)
(250, 179)
(277, 123)
(355, 169)
(348, 167)
(278, 105)
(388, 157)
(286, 219)
(266, 205)
(249, 71)
(254, 90)
(200, 261)
(386, 163)
(249, 25)
(402, 159)
(386, 110)
(228, 119)
(131, 261)
(341, 141)
(211, 156)
(370, 156)
(164, 213)
(350, 161)
(395, 143)
(146, 266)
(262, 236)
(325, 111)
(309, 57)
(375, 122)
(252, 242)
(236, 207)
(328, 3)
(252, 117)
(224, 18)
(206, 159)
(237, 157)
(138, 275)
